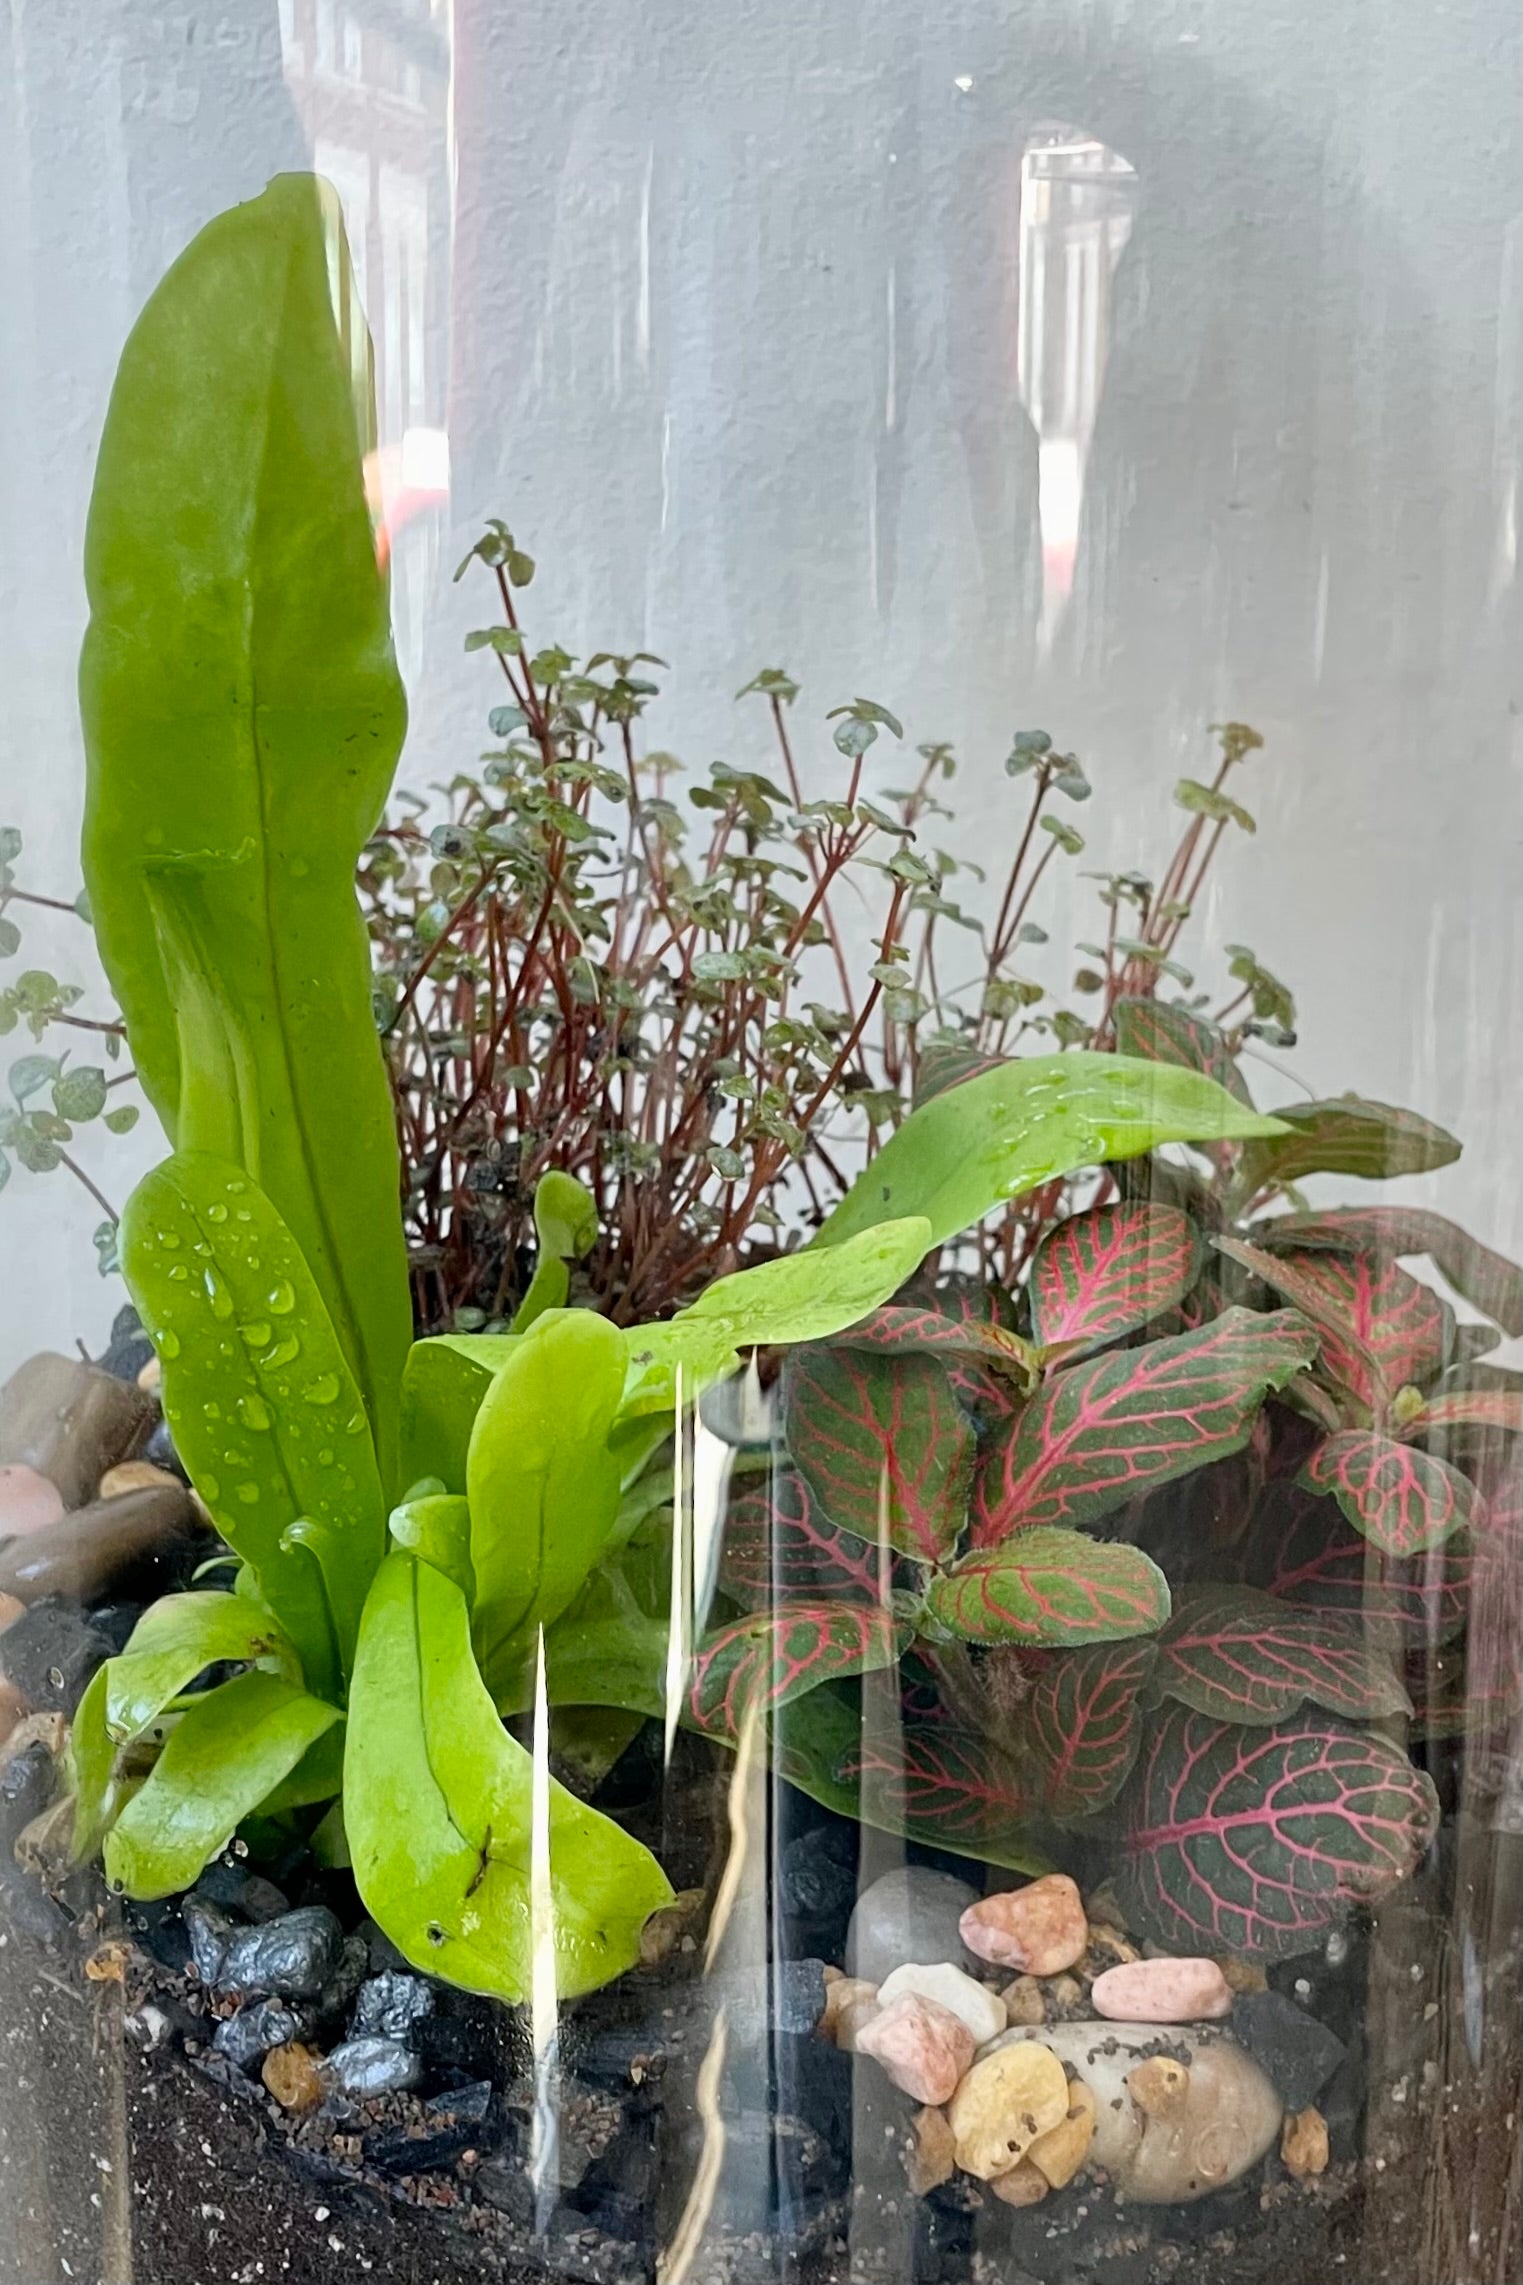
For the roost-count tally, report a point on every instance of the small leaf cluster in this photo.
(51, 1095)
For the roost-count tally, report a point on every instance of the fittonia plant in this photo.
(426, 1535)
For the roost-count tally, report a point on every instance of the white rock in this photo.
(982, 2010)
(911, 1913)
(1217, 2125)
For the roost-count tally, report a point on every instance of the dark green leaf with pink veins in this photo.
(905, 1328)
(779, 1546)
(1165, 1034)
(1082, 1724)
(1239, 1654)
(762, 1661)
(1256, 1841)
(1104, 1273)
(1307, 1553)
(1348, 1135)
(1049, 1586)
(1492, 1283)
(1381, 1328)
(941, 1785)
(881, 1441)
(1093, 1436)
(1402, 1499)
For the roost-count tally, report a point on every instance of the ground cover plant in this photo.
(425, 1535)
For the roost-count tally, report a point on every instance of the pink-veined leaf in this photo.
(779, 1547)
(941, 1785)
(1165, 1034)
(1452, 1408)
(1381, 1328)
(947, 1063)
(882, 1442)
(1240, 1655)
(1402, 1499)
(1488, 1280)
(1082, 1724)
(761, 1662)
(1307, 1553)
(1103, 1273)
(1094, 1435)
(1347, 1135)
(906, 1329)
(1047, 1586)
(1255, 1841)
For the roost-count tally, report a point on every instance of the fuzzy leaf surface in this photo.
(1256, 1841)
(1166, 1034)
(1488, 1280)
(760, 1662)
(881, 1437)
(1082, 1725)
(1402, 1499)
(1094, 1435)
(1047, 1586)
(1308, 1553)
(780, 1546)
(1104, 1273)
(1238, 1654)
(1347, 1135)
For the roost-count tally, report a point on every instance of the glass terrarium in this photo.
(759, 1450)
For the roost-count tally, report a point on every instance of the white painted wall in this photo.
(719, 306)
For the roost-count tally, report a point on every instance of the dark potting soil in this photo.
(133, 2144)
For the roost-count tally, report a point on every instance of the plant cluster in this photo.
(1105, 1487)
(578, 968)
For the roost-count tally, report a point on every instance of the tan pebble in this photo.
(1303, 2143)
(12, 1711)
(1160, 2086)
(136, 1476)
(1241, 1975)
(107, 1964)
(931, 2158)
(923, 2047)
(664, 1931)
(841, 1994)
(1061, 2151)
(11, 1607)
(1024, 2004)
(853, 2019)
(46, 1729)
(1162, 1991)
(1024, 2185)
(1068, 2000)
(1004, 2103)
(1107, 1948)
(294, 2077)
(151, 1376)
(1039, 1929)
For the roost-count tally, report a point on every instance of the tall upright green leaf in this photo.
(243, 715)
(438, 1810)
(1011, 1128)
(541, 1478)
(265, 1412)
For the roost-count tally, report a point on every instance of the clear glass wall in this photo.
(1073, 386)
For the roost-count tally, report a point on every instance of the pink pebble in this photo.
(28, 1501)
(1162, 1991)
(924, 2048)
(1039, 1929)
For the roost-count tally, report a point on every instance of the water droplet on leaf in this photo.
(248, 1493)
(255, 1333)
(253, 1412)
(282, 1297)
(323, 1390)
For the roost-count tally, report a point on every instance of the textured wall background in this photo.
(720, 306)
